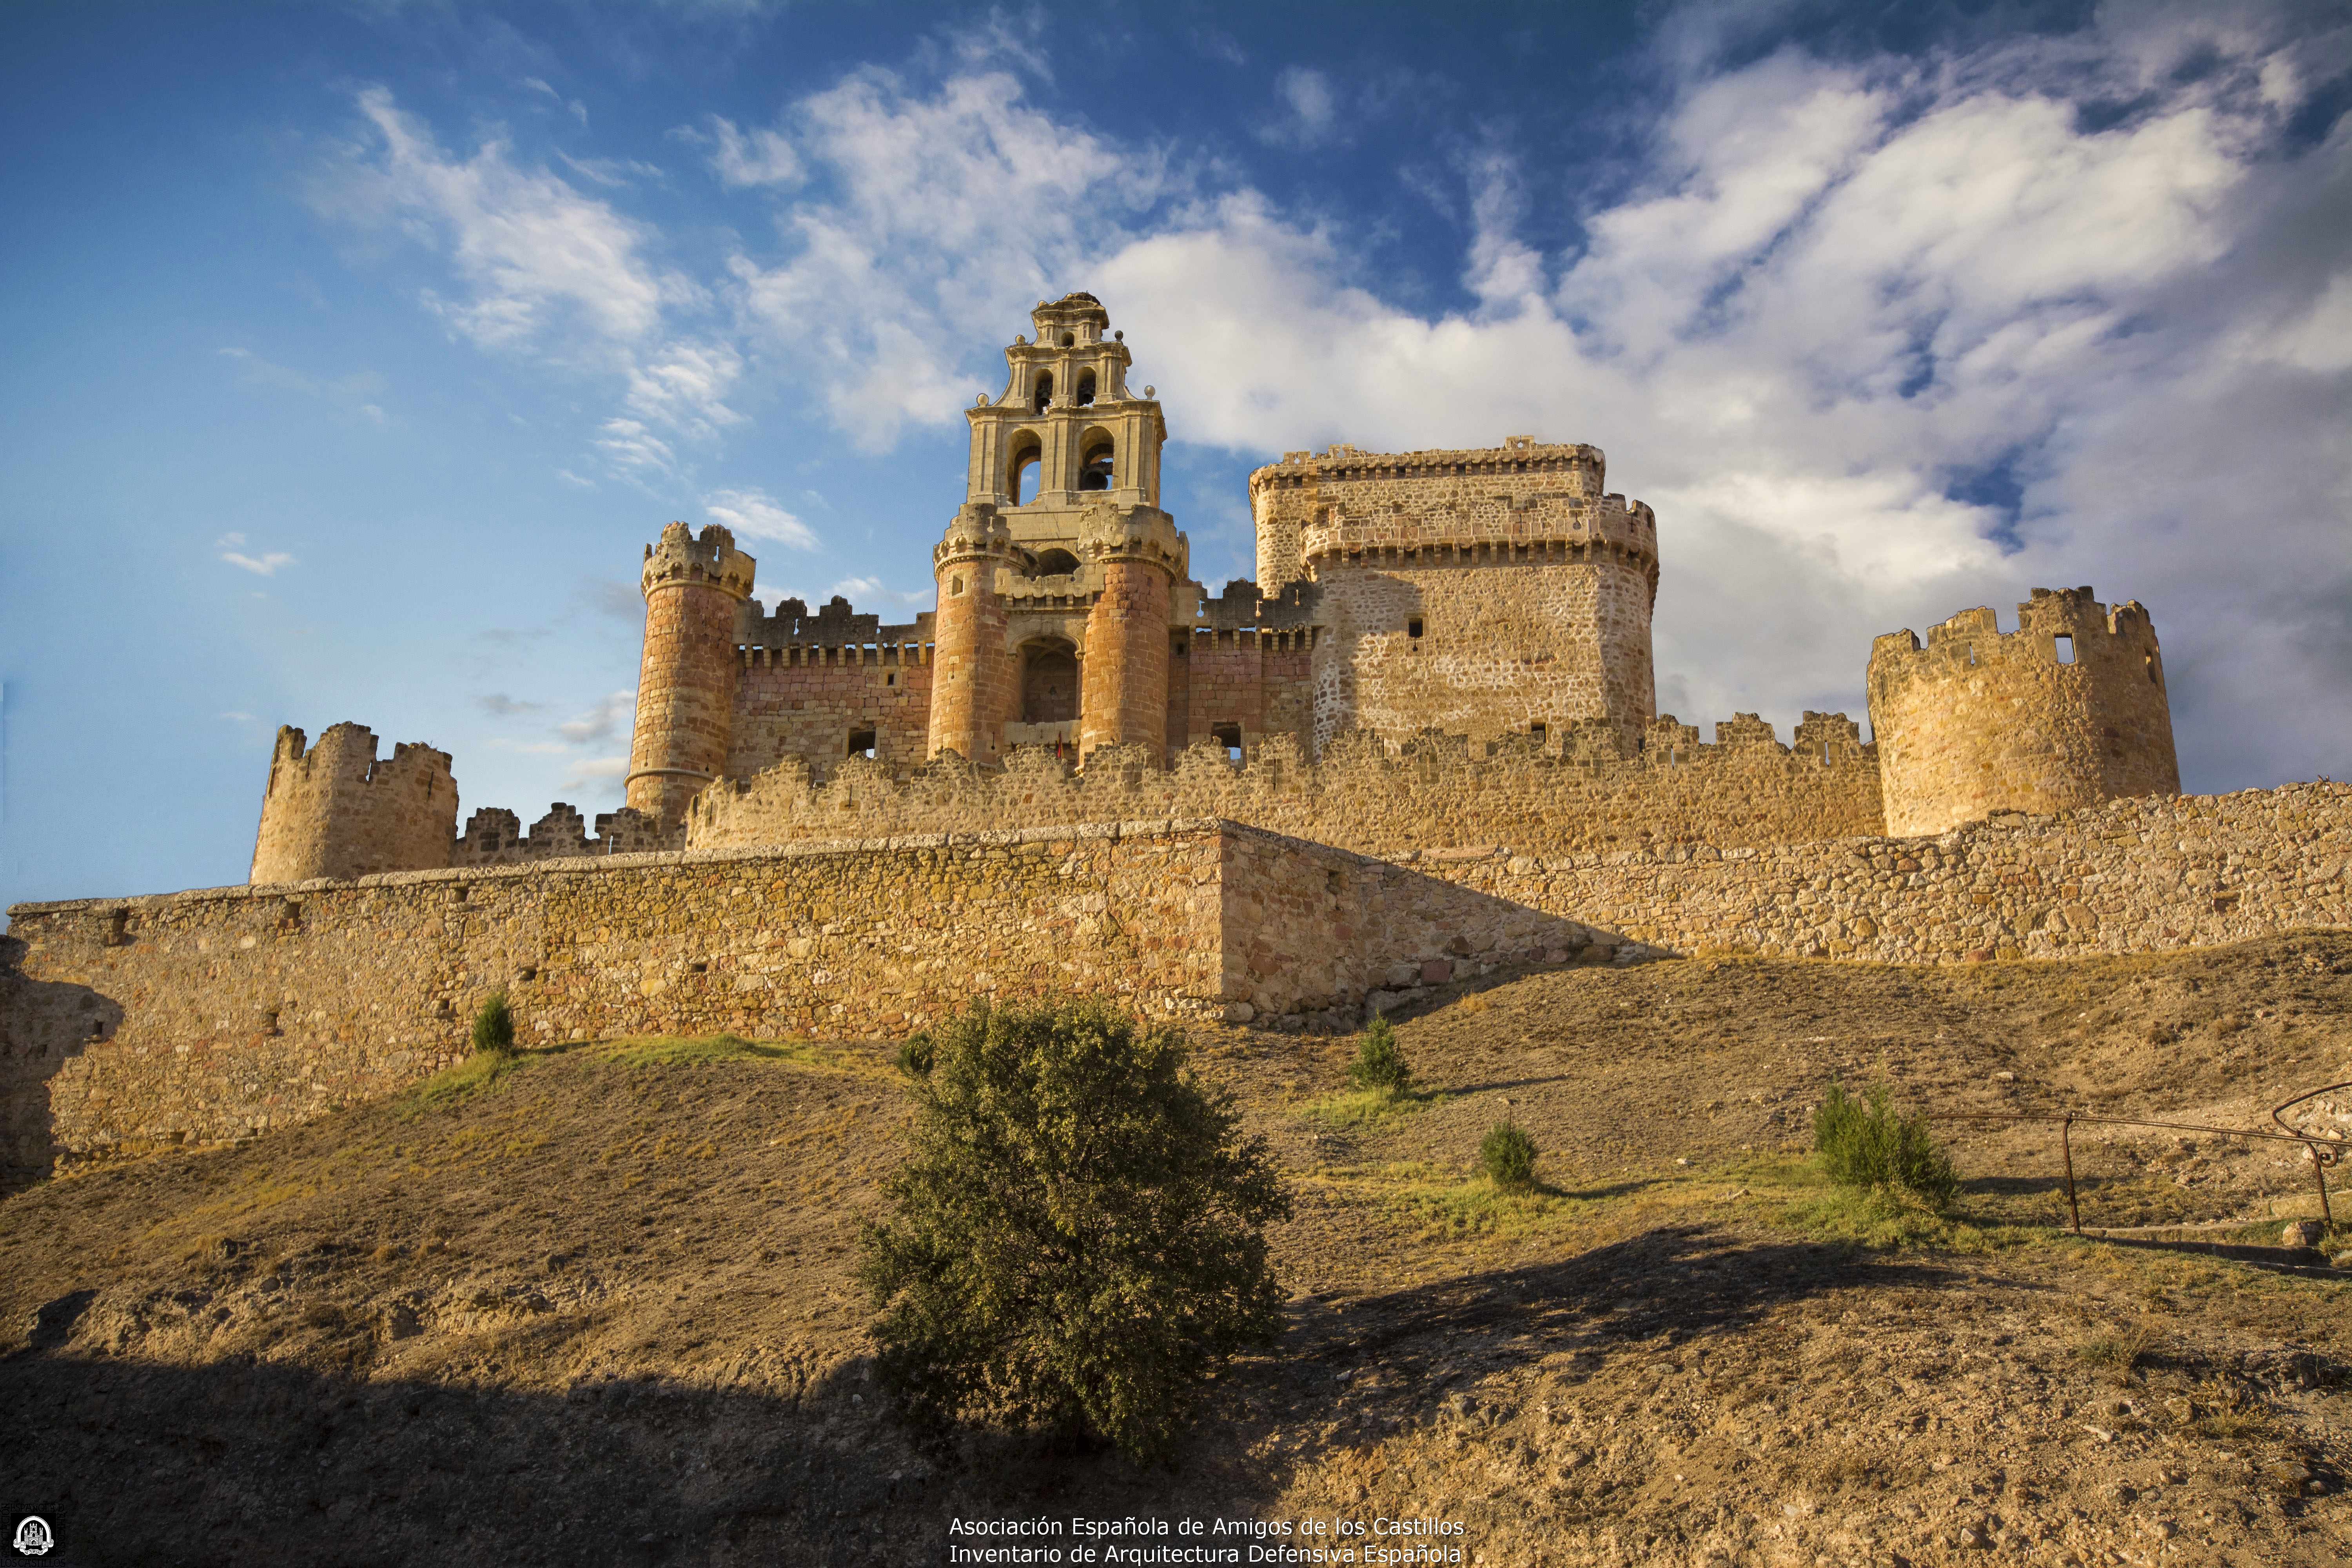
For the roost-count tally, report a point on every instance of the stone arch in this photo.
(1044, 398)
(1085, 392)
(1097, 459)
(1055, 564)
(1024, 451)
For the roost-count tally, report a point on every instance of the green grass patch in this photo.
(477, 1073)
(1355, 1109)
(1442, 1207)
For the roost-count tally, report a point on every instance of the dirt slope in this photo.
(598, 1309)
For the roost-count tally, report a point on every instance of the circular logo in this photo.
(33, 1537)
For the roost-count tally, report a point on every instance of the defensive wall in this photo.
(1583, 793)
(193, 1017)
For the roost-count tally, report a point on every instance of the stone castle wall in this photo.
(1978, 721)
(336, 810)
(2130, 875)
(1582, 794)
(196, 1017)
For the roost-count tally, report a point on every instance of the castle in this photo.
(1422, 747)
(1485, 612)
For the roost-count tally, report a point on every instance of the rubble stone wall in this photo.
(2130, 876)
(196, 1017)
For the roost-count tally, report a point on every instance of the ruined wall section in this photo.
(495, 836)
(1479, 593)
(336, 810)
(808, 685)
(1583, 793)
(1978, 721)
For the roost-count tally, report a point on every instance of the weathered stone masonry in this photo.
(199, 1016)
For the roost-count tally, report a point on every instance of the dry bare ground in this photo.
(597, 1309)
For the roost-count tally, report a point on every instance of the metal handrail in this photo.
(2324, 1152)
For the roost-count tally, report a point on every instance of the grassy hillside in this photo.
(595, 1306)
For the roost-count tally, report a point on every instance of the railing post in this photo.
(2066, 1143)
(2319, 1174)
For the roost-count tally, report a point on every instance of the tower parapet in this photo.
(336, 810)
(694, 588)
(1142, 557)
(2067, 710)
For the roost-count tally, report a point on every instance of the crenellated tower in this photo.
(971, 659)
(336, 810)
(2067, 710)
(694, 588)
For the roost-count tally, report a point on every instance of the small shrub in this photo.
(1508, 1155)
(915, 1056)
(1379, 1063)
(494, 1029)
(1077, 1239)
(1863, 1143)
(2119, 1351)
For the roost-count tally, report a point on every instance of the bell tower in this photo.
(1060, 563)
(1067, 429)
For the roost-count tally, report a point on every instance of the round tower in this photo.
(973, 685)
(1142, 557)
(2065, 711)
(685, 683)
(336, 810)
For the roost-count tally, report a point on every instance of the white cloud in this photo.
(865, 592)
(534, 255)
(601, 722)
(754, 514)
(1311, 106)
(261, 565)
(594, 769)
(762, 158)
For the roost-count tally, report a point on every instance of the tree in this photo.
(1077, 1241)
(1379, 1063)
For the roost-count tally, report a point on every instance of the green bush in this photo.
(1077, 1241)
(915, 1055)
(494, 1029)
(1508, 1155)
(1379, 1063)
(1863, 1143)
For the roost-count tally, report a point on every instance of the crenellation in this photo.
(335, 810)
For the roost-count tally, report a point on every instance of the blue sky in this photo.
(355, 352)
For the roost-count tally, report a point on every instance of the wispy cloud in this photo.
(498, 705)
(354, 393)
(1310, 105)
(263, 565)
(754, 514)
(601, 722)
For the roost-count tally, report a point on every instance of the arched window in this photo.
(1056, 563)
(1068, 339)
(1044, 390)
(1021, 470)
(1086, 387)
(1094, 472)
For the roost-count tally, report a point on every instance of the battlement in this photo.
(335, 810)
(2067, 710)
(494, 836)
(681, 558)
(835, 634)
(1578, 466)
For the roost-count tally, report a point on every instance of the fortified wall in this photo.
(200, 1016)
(1436, 791)
(195, 1017)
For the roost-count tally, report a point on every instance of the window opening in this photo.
(1023, 483)
(1056, 563)
(1229, 736)
(955, 587)
(1044, 389)
(1085, 388)
(1068, 339)
(1412, 628)
(890, 680)
(861, 742)
(2065, 648)
(1536, 731)
(1095, 472)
